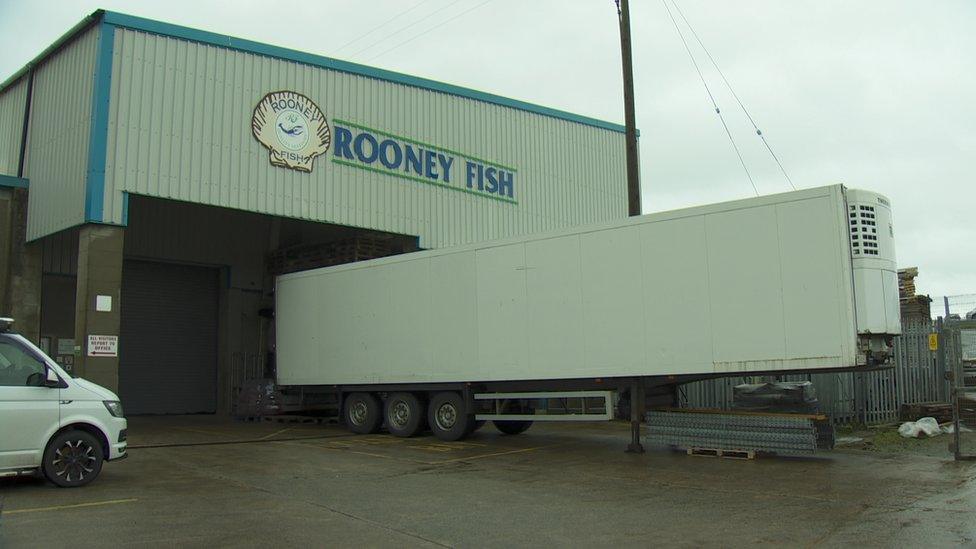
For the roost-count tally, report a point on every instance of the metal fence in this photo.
(959, 350)
(853, 397)
(958, 307)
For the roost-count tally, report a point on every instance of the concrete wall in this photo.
(99, 274)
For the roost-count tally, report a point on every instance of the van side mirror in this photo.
(52, 379)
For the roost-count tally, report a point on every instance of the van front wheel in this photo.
(72, 459)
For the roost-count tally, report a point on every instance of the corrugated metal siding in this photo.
(12, 102)
(179, 127)
(59, 131)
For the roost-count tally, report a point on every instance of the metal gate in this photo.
(959, 344)
(168, 343)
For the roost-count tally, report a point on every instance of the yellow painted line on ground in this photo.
(276, 433)
(347, 446)
(482, 456)
(73, 506)
(336, 448)
(203, 431)
(437, 446)
(434, 448)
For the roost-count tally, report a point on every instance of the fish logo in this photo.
(292, 128)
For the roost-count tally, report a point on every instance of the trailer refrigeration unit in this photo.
(551, 326)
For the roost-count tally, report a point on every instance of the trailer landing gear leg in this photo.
(636, 411)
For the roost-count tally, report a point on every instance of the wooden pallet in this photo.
(941, 411)
(718, 452)
(310, 256)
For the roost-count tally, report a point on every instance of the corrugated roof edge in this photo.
(240, 44)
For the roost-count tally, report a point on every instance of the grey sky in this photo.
(873, 94)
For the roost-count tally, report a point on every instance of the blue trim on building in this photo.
(125, 208)
(15, 182)
(98, 138)
(229, 42)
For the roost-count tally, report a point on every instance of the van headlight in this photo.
(114, 407)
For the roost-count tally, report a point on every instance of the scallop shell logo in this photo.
(292, 128)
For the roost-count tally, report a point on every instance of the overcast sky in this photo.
(873, 94)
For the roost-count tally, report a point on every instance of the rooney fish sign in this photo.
(380, 151)
(292, 128)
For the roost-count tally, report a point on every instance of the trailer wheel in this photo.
(448, 417)
(363, 413)
(404, 414)
(512, 427)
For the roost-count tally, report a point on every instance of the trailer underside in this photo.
(454, 410)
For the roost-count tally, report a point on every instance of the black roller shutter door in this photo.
(168, 342)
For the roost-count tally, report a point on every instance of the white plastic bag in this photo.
(913, 429)
(909, 430)
(929, 426)
(948, 429)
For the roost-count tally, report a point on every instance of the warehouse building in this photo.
(154, 179)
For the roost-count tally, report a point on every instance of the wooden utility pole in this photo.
(633, 196)
(630, 121)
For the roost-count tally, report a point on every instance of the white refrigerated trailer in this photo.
(550, 326)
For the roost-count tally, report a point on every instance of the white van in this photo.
(65, 427)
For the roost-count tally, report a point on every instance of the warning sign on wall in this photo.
(102, 345)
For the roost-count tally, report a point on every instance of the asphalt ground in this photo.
(202, 481)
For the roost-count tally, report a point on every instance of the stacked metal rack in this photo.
(716, 430)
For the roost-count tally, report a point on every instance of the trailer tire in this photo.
(510, 427)
(363, 413)
(404, 414)
(448, 417)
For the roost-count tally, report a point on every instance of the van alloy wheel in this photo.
(74, 460)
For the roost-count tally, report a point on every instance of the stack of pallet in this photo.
(906, 282)
(941, 411)
(313, 256)
(912, 306)
(713, 432)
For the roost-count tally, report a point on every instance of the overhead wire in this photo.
(424, 32)
(404, 28)
(381, 25)
(711, 97)
(732, 91)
